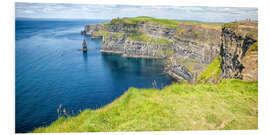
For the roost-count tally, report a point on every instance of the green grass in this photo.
(165, 22)
(180, 32)
(233, 25)
(106, 24)
(101, 33)
(212, 71)
(254, 47)
(118, 34)
(169, 52)
(206, 24)
(146, 38)
(230, 104)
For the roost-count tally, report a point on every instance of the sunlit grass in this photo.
(212, 71)
(165, 22)
(231, 104)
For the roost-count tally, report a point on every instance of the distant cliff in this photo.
(187, 46)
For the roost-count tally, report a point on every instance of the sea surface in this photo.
(50, 71)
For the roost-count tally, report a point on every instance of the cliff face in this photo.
(188, 46)
(239, 51)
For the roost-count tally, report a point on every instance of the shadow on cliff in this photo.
(139, 71)
(143, 66)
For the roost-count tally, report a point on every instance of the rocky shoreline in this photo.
(188, 47)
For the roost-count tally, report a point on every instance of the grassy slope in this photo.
(231, 104)
(212, 71)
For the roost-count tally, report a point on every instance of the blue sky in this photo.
(87, 11)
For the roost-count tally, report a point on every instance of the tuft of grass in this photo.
(231, 104)
(212, 71)
(181, 31)
(196, 33)
(254, 47)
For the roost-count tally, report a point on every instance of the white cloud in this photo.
(84, 11)
(28, 11)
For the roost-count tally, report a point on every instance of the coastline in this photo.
(141, 56)
(106, 51)
(129, 56)
(170, 73)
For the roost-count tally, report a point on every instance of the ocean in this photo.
(50, 71)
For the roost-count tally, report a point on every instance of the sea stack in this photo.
(84, 46)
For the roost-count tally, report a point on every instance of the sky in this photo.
(88, 11)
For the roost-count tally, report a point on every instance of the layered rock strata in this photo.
(188, 47)
(239, 50)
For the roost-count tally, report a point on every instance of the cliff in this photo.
(239, 50)
(187, 46)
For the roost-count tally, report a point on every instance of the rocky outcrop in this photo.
(179, 72)
(236, 40)
(92, 29)
(188, 46)
(135, 48)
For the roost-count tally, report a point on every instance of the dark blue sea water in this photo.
(51, 71)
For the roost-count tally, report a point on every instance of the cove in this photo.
(49, 71)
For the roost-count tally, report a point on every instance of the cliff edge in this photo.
(239, 50)
(189, 47)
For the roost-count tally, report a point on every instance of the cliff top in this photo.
(243, 28)
(174, 24)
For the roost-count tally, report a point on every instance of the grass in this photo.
(165, 22)
(230, 104)
(212, 71)
(253, 34)
(101, 33)
(180, 32)
(146, 38)
(169, 52)
(106, 24)
(233, 25)
(206, 24)
(118, 34)
(254, 47)
(168, 23)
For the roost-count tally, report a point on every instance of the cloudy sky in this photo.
(86, 11)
